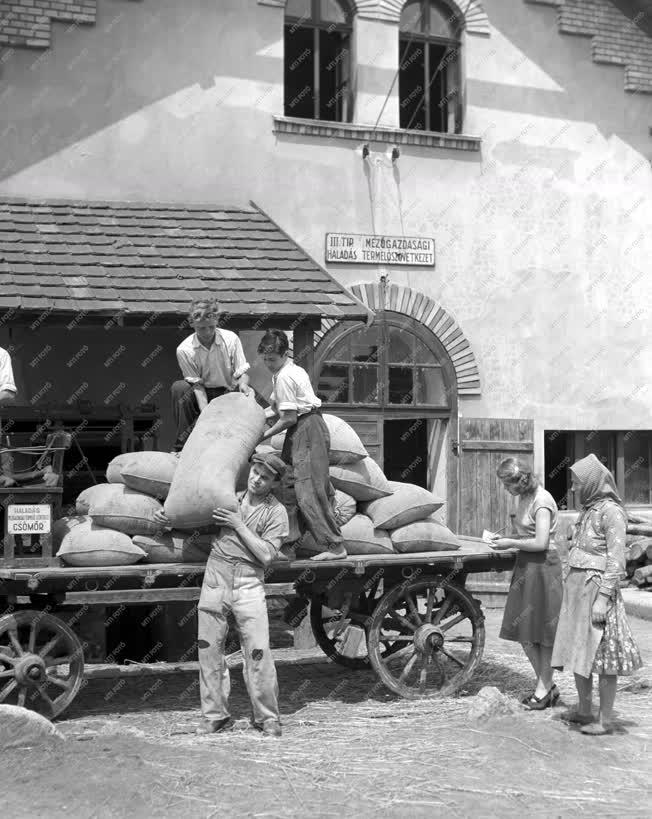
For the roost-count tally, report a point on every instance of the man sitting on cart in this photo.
(249, 540)
(7, 396)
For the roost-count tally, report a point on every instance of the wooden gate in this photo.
(484, 443)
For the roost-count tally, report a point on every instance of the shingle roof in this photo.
(140, 258)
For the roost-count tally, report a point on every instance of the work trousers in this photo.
(239, 588)
(186, 410)
(306, 448)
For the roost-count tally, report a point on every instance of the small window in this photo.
(627, 454)
(317, 40)
(429, 67)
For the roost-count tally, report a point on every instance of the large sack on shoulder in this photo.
(91, 545)
(114, 469)
(61, 527)
(360, 537)
(150, 472)
(218, 448)
(126, 511)
(345, 444)
(363, 480)
(175, 547)
(94, 494)
(344, 507)
(424, 536)
(407, 504)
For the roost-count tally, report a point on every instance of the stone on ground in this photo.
(489, 703)
(20, 727)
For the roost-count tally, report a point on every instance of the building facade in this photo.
(513, 133)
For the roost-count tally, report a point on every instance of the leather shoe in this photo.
(269, 728)
(215, 727)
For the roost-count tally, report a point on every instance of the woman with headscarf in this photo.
(593, 636)
(535, 593)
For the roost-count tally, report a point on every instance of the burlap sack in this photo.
(344, 507)
(407, 504)
(363, 480)
(175, 547)
(345, 444)
(61, 527)
(216, 451)
(424, 536)
(150, 472)
(94, 494)
(360, 537)
(125, 511)
(114, 469)
(91, 545)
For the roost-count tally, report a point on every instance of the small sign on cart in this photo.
(29, 518)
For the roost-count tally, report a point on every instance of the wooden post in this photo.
(304, 348)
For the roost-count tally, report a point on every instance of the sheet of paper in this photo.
(488, 536)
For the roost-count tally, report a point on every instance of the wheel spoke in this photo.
(33, 631)
(48, 701)
(69, 659)
(423, 673)
(449, 624)
(413, 609)
(442, 610)
(60, 682)
(408, 668)
(6, 674)
(404, 621)
(400, 638)
(460, 639)
(22, 695)
(15, 642)
(9, 687)
(47, 648)
(5, 658)
(453, 657)
(431, 603)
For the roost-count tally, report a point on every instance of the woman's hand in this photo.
(599, 610)
(502, 543)
(227, 517)
(161, 518)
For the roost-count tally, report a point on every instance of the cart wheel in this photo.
(436, 632)
(341, 637)
(41, 662)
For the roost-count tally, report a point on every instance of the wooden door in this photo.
(484, 443)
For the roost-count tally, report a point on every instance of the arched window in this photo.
(318, 59)
(429, 67)
(385, 365)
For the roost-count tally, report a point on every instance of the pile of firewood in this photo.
(639, 552)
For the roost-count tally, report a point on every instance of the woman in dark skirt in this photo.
(297, 408)
(594, 636)
(535, 595)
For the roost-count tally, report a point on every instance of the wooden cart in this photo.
(408, 616)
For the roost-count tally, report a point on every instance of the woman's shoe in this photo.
(539, 703)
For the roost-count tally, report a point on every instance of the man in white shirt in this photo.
(7, 395)
(212, 362)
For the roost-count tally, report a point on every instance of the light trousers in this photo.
(239, 588)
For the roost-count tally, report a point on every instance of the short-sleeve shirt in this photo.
(217, 366)
(268, 520)
(292, 390)
(528, 507)
(6, 372)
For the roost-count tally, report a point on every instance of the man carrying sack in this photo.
(212, 362)
(234, 580)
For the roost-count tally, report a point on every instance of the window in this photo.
(429, 67)
(628, 454)
(385, 364)
(317, 60)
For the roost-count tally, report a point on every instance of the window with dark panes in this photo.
(429, 67)
(317, 55)
(382, 365)
(627, 454)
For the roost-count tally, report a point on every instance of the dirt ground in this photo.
(350, 748)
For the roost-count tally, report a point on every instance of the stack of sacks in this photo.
(345, 445)
(110, 514)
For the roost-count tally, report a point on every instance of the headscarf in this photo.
(596, 482)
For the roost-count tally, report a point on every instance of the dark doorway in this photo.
(406, 451)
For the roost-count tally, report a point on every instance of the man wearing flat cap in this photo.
(248, 541)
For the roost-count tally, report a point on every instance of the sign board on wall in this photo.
(364, 248)
(28, 518)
